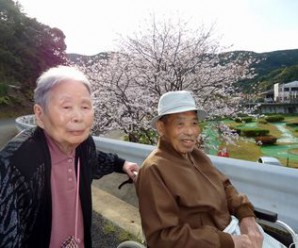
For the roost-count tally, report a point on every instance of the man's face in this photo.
(68, 118)
(181, 130)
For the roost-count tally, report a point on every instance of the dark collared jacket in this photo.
(25, 190)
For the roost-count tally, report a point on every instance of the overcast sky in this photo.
(92, 26)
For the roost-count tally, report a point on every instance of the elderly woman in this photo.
(184, 200)
(46, 172)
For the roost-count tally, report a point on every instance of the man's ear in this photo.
(160, 127)
(39, 115)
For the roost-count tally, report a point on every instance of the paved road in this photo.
(7, 130)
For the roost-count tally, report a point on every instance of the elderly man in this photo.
(46, 172)
(184, 200)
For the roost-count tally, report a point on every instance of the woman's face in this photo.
(68, 118)
(181, 130)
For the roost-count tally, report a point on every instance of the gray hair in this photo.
(54, 76)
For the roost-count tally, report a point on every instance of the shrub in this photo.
(242, 115)
(253, 132)
(247, 119)
(262, 121)
(3, 89)
(142, 136)
(4, 100)
(274, 118)
(266, 140)
(235, 129)
(292, 124)
(238, 120)
(243, 119)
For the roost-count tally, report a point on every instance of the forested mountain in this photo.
(272, 67)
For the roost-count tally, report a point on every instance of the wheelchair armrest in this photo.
(265, 215)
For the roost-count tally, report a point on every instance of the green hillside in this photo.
(273, 67)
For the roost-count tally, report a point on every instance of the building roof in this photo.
(267, 92)
(291, 84)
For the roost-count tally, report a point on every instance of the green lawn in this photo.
(244, 150)
(247, 149)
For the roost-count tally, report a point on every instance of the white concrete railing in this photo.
(24, 122)
(270, 187)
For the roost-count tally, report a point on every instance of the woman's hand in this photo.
(131, 169)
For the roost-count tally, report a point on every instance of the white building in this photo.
(283, 98)
(286, 92)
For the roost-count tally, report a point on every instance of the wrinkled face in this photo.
(181, 130)
(68, 118)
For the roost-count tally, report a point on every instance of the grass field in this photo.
(247, 149)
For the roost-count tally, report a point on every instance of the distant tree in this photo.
(167, 57)
(9, 16)
(27, 47)
(44, 48)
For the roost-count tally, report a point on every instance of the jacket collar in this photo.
(166, 146)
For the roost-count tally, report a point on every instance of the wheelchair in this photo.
(277, 229)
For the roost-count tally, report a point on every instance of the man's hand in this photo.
(249, 227)
(242, 241)
(131, 169)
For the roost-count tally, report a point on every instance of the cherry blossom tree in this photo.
(119, 103)
(164, 57)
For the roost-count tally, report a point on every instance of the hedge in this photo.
(292, 124)
(244, 119)
(266, 140)
(274, 118)
(254, 132)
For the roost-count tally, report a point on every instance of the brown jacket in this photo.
(186, 203)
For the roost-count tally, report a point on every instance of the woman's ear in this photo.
(39, 114)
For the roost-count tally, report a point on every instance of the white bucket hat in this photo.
(174, 102)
